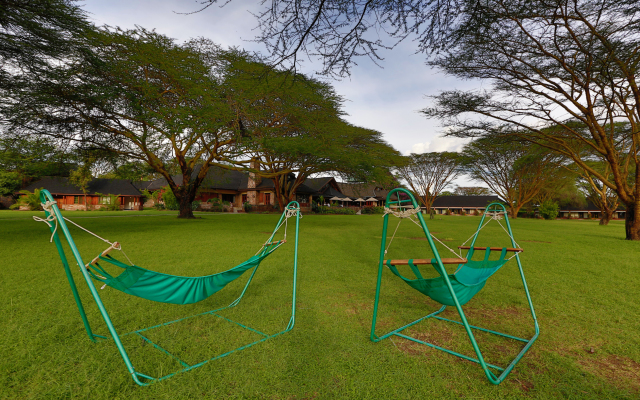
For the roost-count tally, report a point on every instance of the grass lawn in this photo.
(583, 280)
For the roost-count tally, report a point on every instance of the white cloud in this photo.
(437, 144)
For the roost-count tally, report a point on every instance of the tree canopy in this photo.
(517, 171)
(427, 174)
(563, 75)
(293, 124)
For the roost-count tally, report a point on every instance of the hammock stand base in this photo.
(485, 366)
(188, 367)
(439, 266)
(138, 377)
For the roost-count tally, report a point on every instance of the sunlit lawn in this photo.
(583, 280)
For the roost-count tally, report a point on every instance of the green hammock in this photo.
(468, 280)
(173, 289)
(164, 288)
(455, 289)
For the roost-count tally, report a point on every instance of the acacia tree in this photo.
(292, 128)
(140, 95)
(563, 75)
(34, 32)
(471, 191)
(516, 171)
(599, 194)
(427, 174)
(82, 176)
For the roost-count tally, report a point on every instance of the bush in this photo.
(246, 206)
(158, 206)
(447, 212)
(372, 210)
(170, 201)
(195, 204)
(335, 210)
(549, 209)
(112, 204)
(28, 199)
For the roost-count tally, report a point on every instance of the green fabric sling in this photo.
(467, 281)
(172, 289)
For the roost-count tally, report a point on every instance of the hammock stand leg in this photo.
(138, 377)
(504, 372)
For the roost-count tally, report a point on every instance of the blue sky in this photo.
(385, 99)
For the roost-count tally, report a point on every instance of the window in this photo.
(76, 199)
(244, 198)
(267, 198)
(105, 200)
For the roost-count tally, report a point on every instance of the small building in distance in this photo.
(70, 197)
(587, 211)
(459, 205)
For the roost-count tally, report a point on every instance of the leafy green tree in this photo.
(81, 177)
(292, 128)
(428, 174)
(562, 74)
(34, 32)
(471, 191)
(9, 183)
(33, 157)
(516, 171)
(140, 95)
(549, 209)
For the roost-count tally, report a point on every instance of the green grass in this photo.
(583, 279)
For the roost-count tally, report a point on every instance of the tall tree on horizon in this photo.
(427, 174)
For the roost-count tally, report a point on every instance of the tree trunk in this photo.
(185, 200)
(632, 221)
(514, 212)
(606, 217)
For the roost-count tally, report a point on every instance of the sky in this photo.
(386, 99)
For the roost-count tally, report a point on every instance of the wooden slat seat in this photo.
(516, 250)
(425, 261)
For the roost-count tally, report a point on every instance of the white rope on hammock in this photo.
(288, 213)
(47, 207)
(402, 213)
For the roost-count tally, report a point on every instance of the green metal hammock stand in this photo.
(451, 289)
(160, 287)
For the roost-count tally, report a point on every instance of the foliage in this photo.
(9, 183)
(517, 171)
(110, 202)
(564, 77)
(29, 199)
(293, 128)
(471, 191)
(246, 206)
(35, 32)
(338, 32)
(428, 174)
(140, 95)
(33, 157)
(81, 177)
(169, 199)
(372, 210)
(335, 210)
(549, 209)
(195, 204)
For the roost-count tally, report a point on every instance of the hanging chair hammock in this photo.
(467, 281)
(455, 289)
